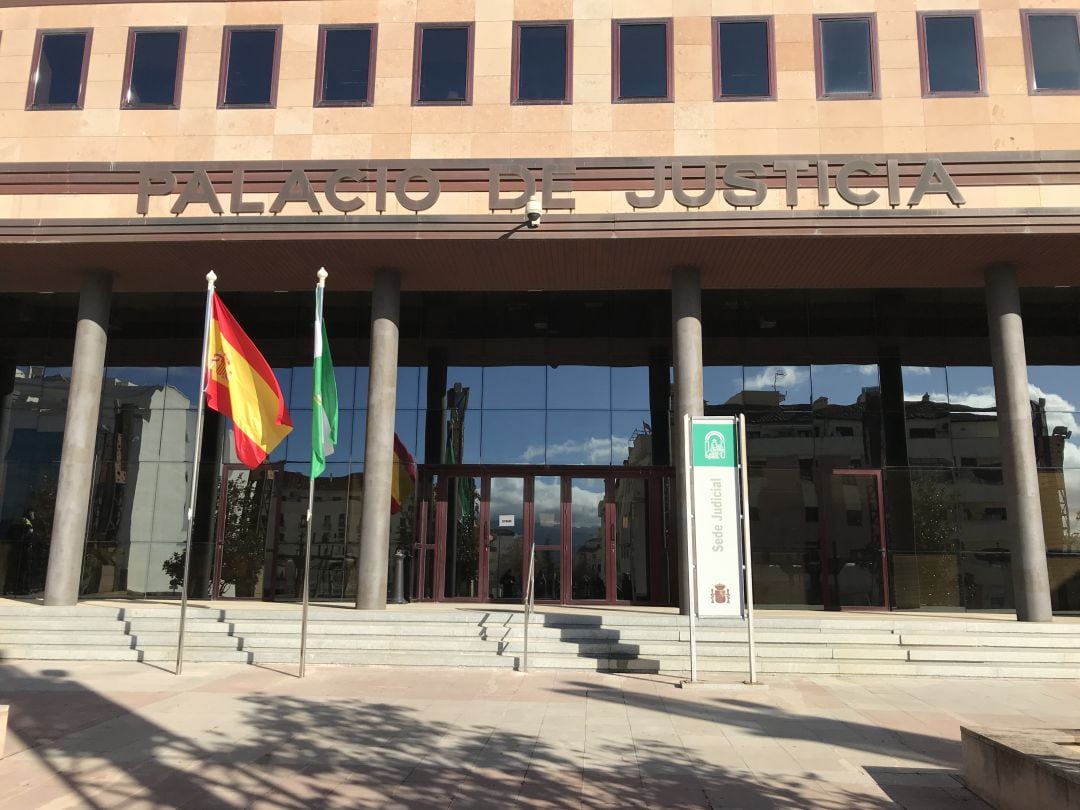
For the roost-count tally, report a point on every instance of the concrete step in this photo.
(796, 637)
(196, 639)
(67, 652)
(36, 624)
(1065, 642)
(60, 637)
(996, 655)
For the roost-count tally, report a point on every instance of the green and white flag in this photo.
(324, 403)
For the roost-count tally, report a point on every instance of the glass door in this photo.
(247, 526)
(505, 539)
(547, 528)
(633, 525)
(854, 547)
(589, 540)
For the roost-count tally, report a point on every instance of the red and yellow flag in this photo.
(240, 385)
(404, 480)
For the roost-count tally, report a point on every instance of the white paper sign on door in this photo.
(506, 521)
(717, 540)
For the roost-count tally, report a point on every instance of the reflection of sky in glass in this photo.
(138, 375)
(547, 509)
(579, 387)
(793, 381)
(922, 380)
(971, 386)
(842, 384)
(1059, 385)
(514, 387)
(185, 379)
(630, 388)
(586, 499)
(579, 437)
(721, 383)
(509, 437)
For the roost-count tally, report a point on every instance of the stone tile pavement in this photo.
(129, 735)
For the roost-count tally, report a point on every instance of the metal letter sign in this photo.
(717, 536)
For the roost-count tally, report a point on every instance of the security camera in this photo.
(533, 212)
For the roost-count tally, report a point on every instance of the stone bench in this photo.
(1020, 769)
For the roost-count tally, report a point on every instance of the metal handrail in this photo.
(530, 603)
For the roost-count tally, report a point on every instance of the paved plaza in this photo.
(134, 736)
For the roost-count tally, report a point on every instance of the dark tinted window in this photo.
(59, 70)
(346, 65)
(846, 57)
(154, 63)
(952, 55)
(250, 71)
(1055, 51)
(542, 63)
(643, 61)
(744, 58)
(444, 64)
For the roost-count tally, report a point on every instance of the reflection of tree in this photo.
(247, 511)
(936, 532)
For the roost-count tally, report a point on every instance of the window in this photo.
(155, 62)
(1052, 46)
(249, 66)
(949, 45)
(642, 57)
(541, 63)
(443, 70)
(345, 74)
(846, 57)
(744, 63)
(58, 78)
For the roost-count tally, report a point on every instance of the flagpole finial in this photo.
(322, 274)
(211, 277)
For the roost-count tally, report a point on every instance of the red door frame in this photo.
(653, 477)
(883, 544)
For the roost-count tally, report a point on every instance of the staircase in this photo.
(609, 641)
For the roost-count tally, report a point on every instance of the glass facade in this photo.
(875, 460)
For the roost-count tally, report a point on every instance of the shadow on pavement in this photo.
(215, 746)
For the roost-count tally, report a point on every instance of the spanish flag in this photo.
(404, 481)
(240, 385)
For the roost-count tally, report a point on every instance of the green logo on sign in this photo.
(714, 445)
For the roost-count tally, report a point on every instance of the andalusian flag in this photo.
(240, 385)
(404, 480)
(324, 405)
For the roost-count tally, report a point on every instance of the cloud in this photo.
(780, 376)
(920, 370)
(870, 370)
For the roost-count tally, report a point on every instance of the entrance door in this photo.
(597, 538)
(591, 541)
(505, 539)
(246, 526)
(854, 548)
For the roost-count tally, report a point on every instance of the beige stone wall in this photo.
(1008, 119)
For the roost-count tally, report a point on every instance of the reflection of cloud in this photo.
(586, 494)
(780, 376)
(593, 450)
(922, 370)
(869, 370)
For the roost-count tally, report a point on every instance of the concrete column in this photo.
(689, 397)
(379, 453)
(1031, 584)
(80, 441)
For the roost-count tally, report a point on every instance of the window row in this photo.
(744, 65)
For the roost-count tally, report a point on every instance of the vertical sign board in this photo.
(717, 541)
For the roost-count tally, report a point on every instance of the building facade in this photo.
(552, 229)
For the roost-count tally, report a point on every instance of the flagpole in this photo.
(322, 274)
(211, 277)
